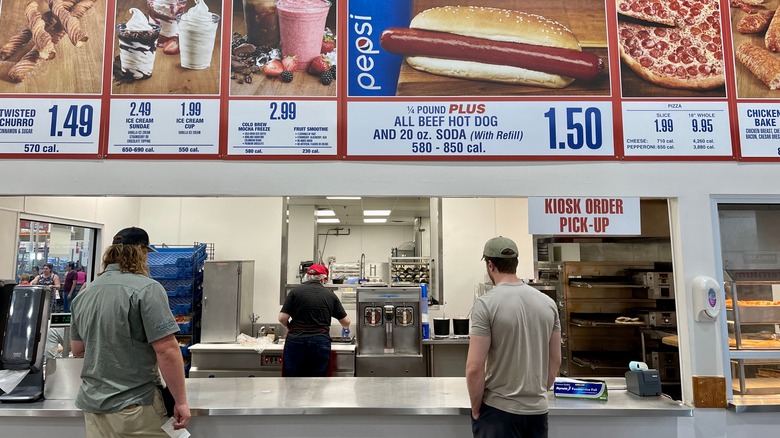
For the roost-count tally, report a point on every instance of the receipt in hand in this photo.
(168, 428)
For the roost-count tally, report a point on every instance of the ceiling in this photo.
(350, 211)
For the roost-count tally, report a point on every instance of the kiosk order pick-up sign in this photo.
(592, 215)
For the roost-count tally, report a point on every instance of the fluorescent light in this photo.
(329, 220)
(320, 213)
(342, 197)
(377, 220)
(376, 212)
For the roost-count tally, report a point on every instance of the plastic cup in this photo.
(164, 13)
(196, 43)
(137, 49)
(301, 27)
(262, 23)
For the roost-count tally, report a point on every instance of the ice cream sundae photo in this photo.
(137, 45)
(179, 41)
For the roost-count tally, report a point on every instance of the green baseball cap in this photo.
(500, 248)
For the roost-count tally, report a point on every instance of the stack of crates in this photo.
(179, 269)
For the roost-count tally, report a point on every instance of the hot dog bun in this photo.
(499, 25)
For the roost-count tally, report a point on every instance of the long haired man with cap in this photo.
(307, 312)
(123, 328)
(514, 351)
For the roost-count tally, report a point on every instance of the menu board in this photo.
(490, 80)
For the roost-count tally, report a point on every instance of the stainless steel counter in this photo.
(450, 340)
(362, 396)
(236, 360)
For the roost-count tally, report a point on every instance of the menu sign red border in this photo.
(71, 105)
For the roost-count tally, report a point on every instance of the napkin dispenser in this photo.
(24, 339)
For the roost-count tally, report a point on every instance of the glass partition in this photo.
(55, 243)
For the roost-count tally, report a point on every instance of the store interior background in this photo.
(243, 228)
(692, 188)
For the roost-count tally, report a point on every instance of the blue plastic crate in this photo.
(181, 257)
(184, 344)
(188, 323)
(185, 328)
(179, 288)
(171, 273)
(180, 306)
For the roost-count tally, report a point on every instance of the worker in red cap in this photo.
(306, 314)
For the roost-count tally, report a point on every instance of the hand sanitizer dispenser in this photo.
(706, 298)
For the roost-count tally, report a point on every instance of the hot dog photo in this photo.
(755, 27)
(671, 48)
(537, 47)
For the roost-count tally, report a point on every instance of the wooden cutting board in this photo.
(72, 70)
(748, 85)
(168, 76)
(586, 19)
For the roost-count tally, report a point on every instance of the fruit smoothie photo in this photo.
(301, 25)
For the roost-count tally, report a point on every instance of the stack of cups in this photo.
(426, 327)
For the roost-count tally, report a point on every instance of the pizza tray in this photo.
(756, 314)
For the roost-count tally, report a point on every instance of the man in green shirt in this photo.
(514, 351)
(123, 327)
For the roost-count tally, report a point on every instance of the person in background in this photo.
(306, 313)
(70, 287)
(35, 272)
(55, 340)
(51, 280)
(514, 351)
(25, 280)
(81, 276)
(123, 328)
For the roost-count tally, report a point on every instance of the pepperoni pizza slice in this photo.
(653, 11)
(687, 55)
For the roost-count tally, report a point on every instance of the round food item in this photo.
(688, 55)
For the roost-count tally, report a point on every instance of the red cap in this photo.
(317, 269)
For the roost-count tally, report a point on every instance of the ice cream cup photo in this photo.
(137, 45)
(164, 13)
(197, 31)
(301, 26)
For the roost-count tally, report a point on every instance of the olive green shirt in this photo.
(118, 317)
(519, 321)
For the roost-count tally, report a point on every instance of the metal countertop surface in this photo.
(361, 396)
(238, 348)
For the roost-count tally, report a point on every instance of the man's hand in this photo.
(345, 332)
(181, 415)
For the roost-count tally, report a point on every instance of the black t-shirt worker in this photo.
(306, 313)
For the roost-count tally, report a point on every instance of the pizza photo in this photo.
(671, 48)
(755, 28)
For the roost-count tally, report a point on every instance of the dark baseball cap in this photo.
(500, 248)
(133, 236)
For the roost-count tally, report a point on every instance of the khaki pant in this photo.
(134, 420)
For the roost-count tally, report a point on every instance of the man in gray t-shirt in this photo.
(123, 328)
(514, 351)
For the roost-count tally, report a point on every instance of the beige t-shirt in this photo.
(519, 320)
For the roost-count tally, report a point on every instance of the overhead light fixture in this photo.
(376, 212)
(342, 197)
(328, 220)
(320, 213)
(376, 220)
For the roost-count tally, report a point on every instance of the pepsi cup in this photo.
(372, 70)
